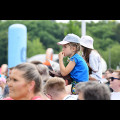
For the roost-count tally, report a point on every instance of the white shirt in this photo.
(71, 97)
(96, 65)
(115, 96)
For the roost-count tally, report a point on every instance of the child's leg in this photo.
(73, 87)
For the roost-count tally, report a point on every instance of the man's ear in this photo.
(49, 96)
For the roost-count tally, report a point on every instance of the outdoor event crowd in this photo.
(80, 79)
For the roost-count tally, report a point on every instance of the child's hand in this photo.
(61, 55)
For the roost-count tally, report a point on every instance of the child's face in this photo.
(68, 50)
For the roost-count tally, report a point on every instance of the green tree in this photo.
(3, 47)
(72, 27)
(49, 41)
(35, 47)
(112, 55)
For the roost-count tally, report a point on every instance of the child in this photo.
(77, 67)
(92, 58)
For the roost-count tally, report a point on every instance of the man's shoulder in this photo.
(115, 96)
(71, 97)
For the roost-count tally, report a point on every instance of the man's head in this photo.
(54, 87)
(92, 90)
(115, 81)
(108, 73)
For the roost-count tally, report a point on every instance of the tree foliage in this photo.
(43, 34)
(35, 47)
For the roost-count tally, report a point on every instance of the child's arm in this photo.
(65, 70)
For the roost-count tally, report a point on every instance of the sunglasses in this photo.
(112, 78)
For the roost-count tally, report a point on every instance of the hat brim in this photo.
(62, 43)
(90, 47)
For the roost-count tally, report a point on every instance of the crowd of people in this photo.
(35, 80)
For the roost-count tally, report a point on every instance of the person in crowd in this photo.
(108, 73)
(43, 69)
(77, 67)
(115, 85)
(92, 58)
(55, 90)
(44, 72)
(49, 56)
(4, 70)
(92, 90)
(4, 90)
(25, 83)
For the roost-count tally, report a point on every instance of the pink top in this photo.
(34, 98)
(7, 98)
(37, 98)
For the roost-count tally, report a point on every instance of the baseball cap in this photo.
(70, 38)
(87, 41)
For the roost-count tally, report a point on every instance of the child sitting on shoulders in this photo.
(77, 67)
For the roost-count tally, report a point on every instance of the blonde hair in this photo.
(77, 45)
(54, 85)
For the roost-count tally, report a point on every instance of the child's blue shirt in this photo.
(80, 72)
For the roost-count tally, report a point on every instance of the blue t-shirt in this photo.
(80, 72)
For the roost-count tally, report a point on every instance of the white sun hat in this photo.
(70, 38)
(87, 41)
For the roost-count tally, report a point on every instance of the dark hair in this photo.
(31, 73)
(97, 92)
(36, 62)
(93, 90)
(86, 53)
(110, 70)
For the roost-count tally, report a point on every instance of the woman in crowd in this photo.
(25, 83)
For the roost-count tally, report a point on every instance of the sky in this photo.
(65, 21)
